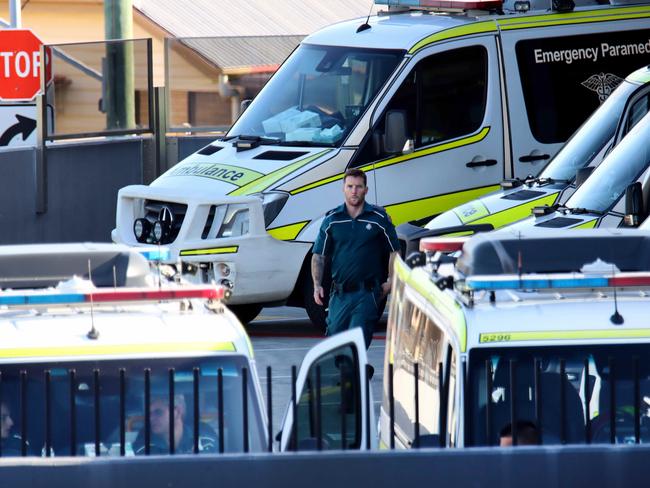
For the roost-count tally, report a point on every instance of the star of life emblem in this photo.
(368, 226)
(603, 84)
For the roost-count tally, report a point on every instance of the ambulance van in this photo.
(538, 337)
(568, 169)
(616, 194)
(96, 350)
(437, 108)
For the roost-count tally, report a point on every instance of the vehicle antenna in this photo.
(93, 333)
(366, 25)
(158, 266)
(616, 318)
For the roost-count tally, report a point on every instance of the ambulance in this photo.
(569, 168)
(97, 347)
(531, 337)
(617, 194)
(436, 106)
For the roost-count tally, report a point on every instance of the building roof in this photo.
(247, 35)
(244, 53)
(217, 18)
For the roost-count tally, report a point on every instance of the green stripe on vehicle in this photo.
(266, 181)
(427, 207)
(465, 141)
(518, 212)
(454, 32)
(210, 250)
(287, 232)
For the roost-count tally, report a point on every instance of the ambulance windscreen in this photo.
(553, 251)
(318, 95)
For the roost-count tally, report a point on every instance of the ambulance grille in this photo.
(152, 212)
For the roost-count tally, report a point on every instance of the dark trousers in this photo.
(354, 309)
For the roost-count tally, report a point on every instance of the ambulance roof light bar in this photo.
(442, 244)
(53, 297)
(453, 5)
(556, 281)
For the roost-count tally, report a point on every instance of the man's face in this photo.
(6, 422)
(354, 190)
(159, 412)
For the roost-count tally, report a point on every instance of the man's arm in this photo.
(385, 287)
(317, 268)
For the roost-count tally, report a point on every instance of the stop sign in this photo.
(20, 65)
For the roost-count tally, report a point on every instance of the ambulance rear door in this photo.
(557, 75)
(334, 407)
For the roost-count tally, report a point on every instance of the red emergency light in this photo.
(442, 244)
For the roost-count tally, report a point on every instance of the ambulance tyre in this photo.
(246, 313)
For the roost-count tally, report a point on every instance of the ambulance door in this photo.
(558, 75)
(334, 408)
(449, 96)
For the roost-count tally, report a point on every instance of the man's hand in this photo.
(319, 294)
(385, 288)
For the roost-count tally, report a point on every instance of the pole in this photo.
(119, 91)
(15, 13)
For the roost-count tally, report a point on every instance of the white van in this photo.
(96, 350)
(436, 107)
(545, 329)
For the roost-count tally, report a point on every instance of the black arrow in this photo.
(25, 125)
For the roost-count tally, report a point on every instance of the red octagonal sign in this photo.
(20, 65)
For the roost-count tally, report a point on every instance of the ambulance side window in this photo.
(637, 111)
(444, 97)
(420, 341)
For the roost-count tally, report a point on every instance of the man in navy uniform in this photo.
(361, 241)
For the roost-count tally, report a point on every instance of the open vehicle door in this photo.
(334, 407)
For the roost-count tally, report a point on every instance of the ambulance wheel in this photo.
(246, 313)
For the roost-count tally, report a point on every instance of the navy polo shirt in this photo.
(358, 247)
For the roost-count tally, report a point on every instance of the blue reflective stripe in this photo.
(42, 299)
(492, 283)
(155, 254)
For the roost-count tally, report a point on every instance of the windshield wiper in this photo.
(305, 144)
(582, 210)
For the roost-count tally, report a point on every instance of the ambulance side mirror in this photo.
(395, 136)
(582, 174)
(633, 205)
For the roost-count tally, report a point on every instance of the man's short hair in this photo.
(356, 173)
(179, 401)
(527, 432)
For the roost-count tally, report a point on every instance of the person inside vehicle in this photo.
(183, 431)
(10, 442)
(527, 434)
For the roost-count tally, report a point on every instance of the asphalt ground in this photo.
(282, 336)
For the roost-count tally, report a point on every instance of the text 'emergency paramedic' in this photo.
(568, 56)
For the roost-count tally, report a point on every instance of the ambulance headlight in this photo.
(158, 231)
(235, 220)
(273, 203)
(141, 229)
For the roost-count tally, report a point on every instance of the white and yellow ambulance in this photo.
(96, 350)
(437, 108)
(544, 331)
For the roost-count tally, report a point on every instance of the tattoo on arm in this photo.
(317, 267)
